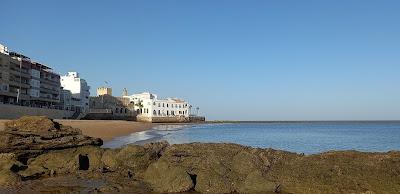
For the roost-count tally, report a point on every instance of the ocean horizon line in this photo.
(294, 121)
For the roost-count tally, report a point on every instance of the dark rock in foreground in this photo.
(31, 136)
(198, 167)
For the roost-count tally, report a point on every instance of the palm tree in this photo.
(139, 104)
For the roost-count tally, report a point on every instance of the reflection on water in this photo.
(302, 137)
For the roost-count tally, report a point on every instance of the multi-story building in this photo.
(150, 108)
(79, 90)
(26, 82)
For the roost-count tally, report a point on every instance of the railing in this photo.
(25, 85)
(20, 73)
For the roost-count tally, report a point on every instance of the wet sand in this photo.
(104, 129)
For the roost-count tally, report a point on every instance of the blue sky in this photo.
(236, 60)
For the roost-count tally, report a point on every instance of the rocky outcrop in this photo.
(30, 136)
(220, 168)
(213, 168)
(8, 166)
(201, 167)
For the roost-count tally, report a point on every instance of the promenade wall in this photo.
(13, 112)
(170, 119)
(108, 114)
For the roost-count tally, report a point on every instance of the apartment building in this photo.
(79, 90)
(26, 82)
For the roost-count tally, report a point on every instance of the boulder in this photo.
(8, 166)
(133, 157)
(215, 168)
(257, 183)
(30, 136)
(164, 178)
(87, 158)
(209, 181)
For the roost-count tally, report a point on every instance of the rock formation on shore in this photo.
(195, 167)
(31, 136)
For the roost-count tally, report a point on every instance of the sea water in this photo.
(300, 137)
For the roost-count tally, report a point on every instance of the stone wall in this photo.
(13, 112)
(197, 119)
(108, 116)
(170, 119)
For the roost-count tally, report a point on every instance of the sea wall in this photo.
(162, 119)
(197, 119)
(170, 119)
(108, 116)
(13, 112)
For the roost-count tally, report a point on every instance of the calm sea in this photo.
(301, 137)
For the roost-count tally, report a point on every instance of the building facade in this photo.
(110, 108)
(104, 91)
(79, 90)
(26, 82)
(150, 108)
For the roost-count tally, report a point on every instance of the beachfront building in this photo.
(79, 90)
(108, 107)
(150, 108)
(29, 88)
(26, 82)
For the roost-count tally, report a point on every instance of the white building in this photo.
(148, 105)
(4, 49)
(79, 90)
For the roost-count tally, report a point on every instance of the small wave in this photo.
(140, 138)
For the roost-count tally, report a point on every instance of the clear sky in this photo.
(236, 60)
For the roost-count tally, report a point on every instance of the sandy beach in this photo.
(104, 129)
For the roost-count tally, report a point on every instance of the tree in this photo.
(139, 104)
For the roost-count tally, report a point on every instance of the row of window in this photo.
(168, 112)
(119, 110)
(172, 105)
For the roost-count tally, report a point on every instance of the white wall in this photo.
(78, 87)
(163, 107)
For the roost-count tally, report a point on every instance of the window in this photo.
(154, 112)
(163, 105)
(167, 105)
(158, 104)
(167, 112)
(159, 112)
(154, 103)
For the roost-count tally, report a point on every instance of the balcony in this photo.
(15, 94)
(21, 73)
(18, 84)
(50, 82)
(51, 91)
